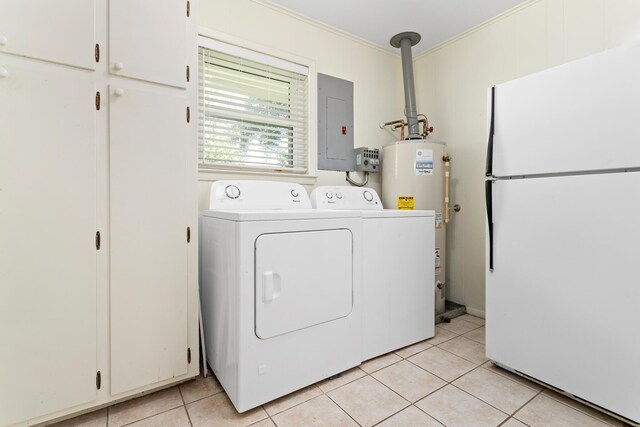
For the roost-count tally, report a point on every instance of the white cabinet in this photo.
(148, 151)
(61, 31)
(84, 152)
(147, 40)
(47, 239)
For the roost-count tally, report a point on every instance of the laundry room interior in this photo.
(338, 213)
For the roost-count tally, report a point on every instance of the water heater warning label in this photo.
(424, 162)
(406, 202)
(436, 263)
(438, 220)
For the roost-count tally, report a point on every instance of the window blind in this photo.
(252, 115)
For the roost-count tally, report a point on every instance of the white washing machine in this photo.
(398, 307)
(280, 288)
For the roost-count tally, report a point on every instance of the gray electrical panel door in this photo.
(335, 124)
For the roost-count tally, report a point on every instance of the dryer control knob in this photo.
(232, 191)
(367, 195)
(294, 193)
(329, 195)
(338, 195)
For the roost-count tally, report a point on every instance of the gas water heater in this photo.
(415, 170)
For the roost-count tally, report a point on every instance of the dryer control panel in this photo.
(345, 197)
(257, 195)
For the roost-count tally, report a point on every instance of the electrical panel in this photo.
(366, 159)
(335, 124)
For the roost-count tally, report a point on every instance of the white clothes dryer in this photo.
(280, 287)
(398, 294)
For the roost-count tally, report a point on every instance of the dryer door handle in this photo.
(271, 286)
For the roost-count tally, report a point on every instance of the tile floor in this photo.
(442, 381)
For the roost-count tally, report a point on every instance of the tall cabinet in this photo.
(98, 210)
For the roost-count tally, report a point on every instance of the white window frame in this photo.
(210, 39)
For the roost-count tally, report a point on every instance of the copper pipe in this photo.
(447, 162)
(401, 127)
(426, 129)
(393, 122)
(401, 124)
(447, 168)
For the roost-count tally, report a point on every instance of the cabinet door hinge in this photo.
(188, 73)
(189, 355)
(98, 101)
(97, 52)
(188, 8)
(188, 234)
(188, 114)
(98, 380)
(97, 240)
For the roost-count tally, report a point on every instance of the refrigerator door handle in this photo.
(489, 166)
(488, 190)
(488, 185)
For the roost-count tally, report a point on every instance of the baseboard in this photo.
(475, 312)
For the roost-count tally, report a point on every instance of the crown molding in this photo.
(477, 28)
(321, 25)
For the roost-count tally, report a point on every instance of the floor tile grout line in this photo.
(574, 408)
(457, 355)
(483, 401)
(465, 332)
(511, 379)
(184, 404)
(436, 375)
(524, 383)
(342, 409)
(522, 407)
(205, 397)
(384, 367)
(326, 392)
(395, 392)
(430, 415)
(297, 404)
(151, 416)
(396, 413)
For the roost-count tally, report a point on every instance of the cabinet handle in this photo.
(118, 66)
(119, 91)
(3, 40)
(3, 73)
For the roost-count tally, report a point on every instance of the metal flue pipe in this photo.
(405, 41)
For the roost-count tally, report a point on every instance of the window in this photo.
(253, 110)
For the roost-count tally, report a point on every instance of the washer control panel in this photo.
(344, 197)
(257, 195)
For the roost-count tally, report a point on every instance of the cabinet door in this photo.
(148, 40)
(61, 31)
(47, 239)
(148, 146)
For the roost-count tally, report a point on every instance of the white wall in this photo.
(377, 75)
(451, 86)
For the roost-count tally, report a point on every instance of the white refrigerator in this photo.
(563, 244)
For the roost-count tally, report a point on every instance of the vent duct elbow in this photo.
(405, 41)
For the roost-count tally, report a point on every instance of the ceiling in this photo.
(435, 20)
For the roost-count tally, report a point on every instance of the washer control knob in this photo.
(294, 193)
(338, 195)
(367, 195)
(329, 195)
(232, 191)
